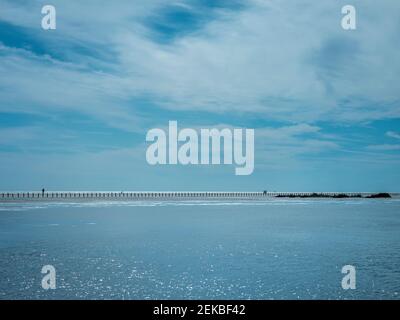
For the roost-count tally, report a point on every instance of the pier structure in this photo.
(138, 195)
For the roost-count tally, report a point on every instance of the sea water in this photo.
(222, 249)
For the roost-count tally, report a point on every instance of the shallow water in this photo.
(229, 249)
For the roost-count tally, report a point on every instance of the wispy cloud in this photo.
(384, 147)
(235, 62)
(14, 135)
(393, 134)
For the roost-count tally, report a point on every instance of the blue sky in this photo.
(76, 102)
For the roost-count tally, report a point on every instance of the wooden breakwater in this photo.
(135, 195)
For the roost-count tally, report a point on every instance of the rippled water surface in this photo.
(260, 249)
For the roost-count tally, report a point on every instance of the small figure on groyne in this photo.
(43, 192)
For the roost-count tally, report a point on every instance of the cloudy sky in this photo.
(76, 102)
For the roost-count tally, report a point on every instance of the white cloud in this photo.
(44, 85)
(384, 147)
(282, 147)
(393, 134)
(283, 61)
(280, 60)
(14, 135)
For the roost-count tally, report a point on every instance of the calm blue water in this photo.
(269, 249)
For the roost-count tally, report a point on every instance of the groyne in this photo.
(138, 195)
